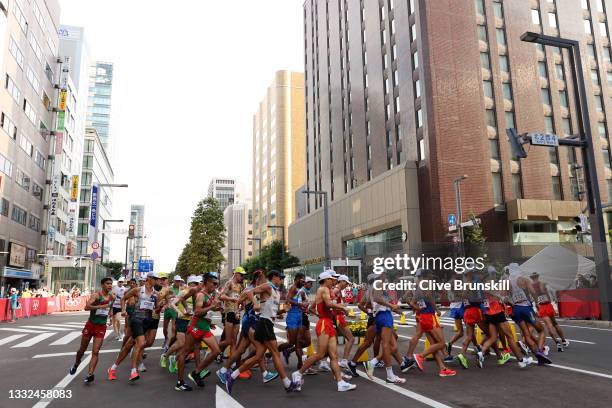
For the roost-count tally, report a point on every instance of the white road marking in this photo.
(72, 353)
(576, 341)
(47, 328)
(578, 370)
(11, 338)
(42, 403)
(584, 327)
(71, 326)
(224, 400)
(67, 338)
(410, 394)
(34, 340)
(23, 330)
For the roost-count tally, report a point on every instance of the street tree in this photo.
(272, 256)
(115, 269)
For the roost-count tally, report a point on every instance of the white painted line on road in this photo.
(576, 341)
(34, 340)
(578, 370)
(72, 353)
(584, 327)
(11, 338)
(63, 383)
(70, 326)
(23, 330)
(410, 394)
(66, 339)
(47, 328)
(224, 400)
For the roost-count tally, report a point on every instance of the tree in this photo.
(475, 241)
(115, 269)
(272, 256)
(206, 239)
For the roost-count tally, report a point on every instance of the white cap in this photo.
(309, 279)
(121, 279)
(344, 278)
(153, 275)
(327, 274)
(192, 279)
(178, 278)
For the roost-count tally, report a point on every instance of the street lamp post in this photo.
(325, 221)
(104, 222)
(457, 183)
(282, 233)
(127, 240)
(94, 217)
(588, 156)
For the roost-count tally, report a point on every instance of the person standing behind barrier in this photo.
(13, 304)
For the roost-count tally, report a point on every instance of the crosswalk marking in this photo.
(47, 328)
(71, 326)
(34, 340)
(22, 330)
(11, 338)
(66, 339)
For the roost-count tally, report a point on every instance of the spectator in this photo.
(14, 304)
(26, 293)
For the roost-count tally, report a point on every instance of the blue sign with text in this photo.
(145, 265)
(452, 221)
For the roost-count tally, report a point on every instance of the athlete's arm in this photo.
(290, 294)
(328, 302)
(127, 295)
(377, 297)
(90, 302)
(227, 288)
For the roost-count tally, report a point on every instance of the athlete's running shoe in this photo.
(293, 387)
(221, 376)
(73, 369)
(446, 372)
(449, 359)
(524, 347)
(219, 359)
(559, 348)
(380, 364)
(195, 377)
(229, 382)
(344, 386)
(134, 376)
(112, 374)
(163, 361)
(181, 386)
(462, 360)
(407, 364)
(546, 350)
(542, 359)
(324, 366)
(565, 343)
(89, 379)
(369, 367)
(525, 362)
(312, 371)
(449, 348)
(141, 367)
(504, 359)
(396, 380)
(172, 366)
(204, 373)
(287, 354)
(270, 376)
(245, 375)
(419, 360)
(480, 359)
(344, 364)
(353, 367)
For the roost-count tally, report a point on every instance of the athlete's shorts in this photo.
(383, 319)
(457, 312)
(371, 321)
(94, 330)
(264, 330)
(294, 319)
(546, 310)
(170, 314)
(495, 318)
(232, 317)
(197, 333)
(325, 326)
(138, 326)
(428, 321)
(523, 314)
(249, 321)
(305, 321)
(116, 310)
(152, 324)
(341, 320)
(472, 315)
(181, 325)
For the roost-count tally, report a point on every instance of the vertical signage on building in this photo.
(93, 217)
(54, 196)
(61, 116)
(74, 189)
(59, 142)
(71, 219)
(62, 101)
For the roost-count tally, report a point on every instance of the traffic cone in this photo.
(310, 352)
(362, 316)
(456, 328)
(403, 318)
(363, 357)
(479, 335)
(351, 312)
(513, 328)
(428, 357)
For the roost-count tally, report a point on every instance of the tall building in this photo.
(392, 83)
(137, 216)
(278, 155)
(226, 190)
(100, 92)
(28, 65)
(238, 220)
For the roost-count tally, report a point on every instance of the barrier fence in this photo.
(40, 306)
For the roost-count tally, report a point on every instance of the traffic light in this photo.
(582, 227)
(77, 262)
(131, 231)
(516, 144)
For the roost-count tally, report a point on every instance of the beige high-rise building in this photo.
(279, 156)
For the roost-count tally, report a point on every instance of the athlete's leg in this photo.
(349, 340)
(370, 336)
(182, 353)
(85, 339)
(213, 346)
(322, 343)
(97, 345)
(332, 348)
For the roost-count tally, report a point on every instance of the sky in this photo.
(189, 75)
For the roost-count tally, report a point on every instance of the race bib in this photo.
(421, 304)
(466, 303)
(147, 304)
(486, 303)
(102, 312)
(542, 299)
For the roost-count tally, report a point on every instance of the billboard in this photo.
(62, 101)
(93, 216)
(74, 189)
(17, 254)
(145, 265)
(61, 117)
(59, 142)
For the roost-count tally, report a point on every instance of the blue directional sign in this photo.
(452, 220)
(145, 265)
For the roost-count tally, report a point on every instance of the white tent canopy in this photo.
(558, 267)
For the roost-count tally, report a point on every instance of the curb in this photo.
(589, 323)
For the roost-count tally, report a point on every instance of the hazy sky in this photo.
(188, 77)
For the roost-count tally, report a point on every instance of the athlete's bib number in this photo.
(421, 304)
(466, 303)
(542, 299)
(147, 304)
(102, 312)
(486, 303)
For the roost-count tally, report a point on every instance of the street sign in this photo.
(145, 265)
(544, 139)
(452, 220)
(95, 245)
(452, 228)
(94, 256)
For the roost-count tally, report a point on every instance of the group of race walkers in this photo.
(251, 307)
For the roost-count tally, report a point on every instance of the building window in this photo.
(40, 160)
(601, 128)
(603, 29)
(545, 96)
(559, 71)
(417, 88)
(34, 223)
(606, 157)
(567, 126)
(491, 121)
(488, 88)
(37, 191)
(587, 27)
(507, 90)
(501, 36)
(8, 126)
(6, 166)
(509, 116)
(12, 89)
(549, 125)
(563, 99)
(556, 188)
(494, 148)
(26, 145)
(29, 111)
(22, 180)
(535, 17)
(19, 215)
(599, 103)
(497, 10)
(498, 195)
(421, 149)
(542, 69)
(20, 18)
(485, 62)
(88, 162)
(419, 118)
(552, 20)
(504, 66)
(16, 52)
(606, 55)
(415, 60)
(480, 7)
(517, 186)
(482, 33)
(4, 208)
(595, 77)
(553, 155)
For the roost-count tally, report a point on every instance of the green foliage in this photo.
(272, 256)
(114, 269)
(206, 239)
(475, 241)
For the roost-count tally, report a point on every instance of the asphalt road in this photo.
(36, 353)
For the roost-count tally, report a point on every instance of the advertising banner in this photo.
(74, 189)
(17, 255)
(59, 142)
(93, 216)
(63, 98)
(61, 116)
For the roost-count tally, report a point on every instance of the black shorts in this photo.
(181, 325)
(116, 310)
(264, 330)
(496, 318)
(152, 324)
(138, 326)
(371, 321)
(231, 317)
(305, 321)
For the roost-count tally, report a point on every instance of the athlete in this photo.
(304, 339)
(546, 312)
(199, 331)
(118, 291)
(371, 337)
(294, 319)
(229, 296)
(343, 328)
(326, 333)
(472, 316)
(182, 304)
(265, 338)
(170, 315)
(522, 312)
(99, 305)
(456, 313)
